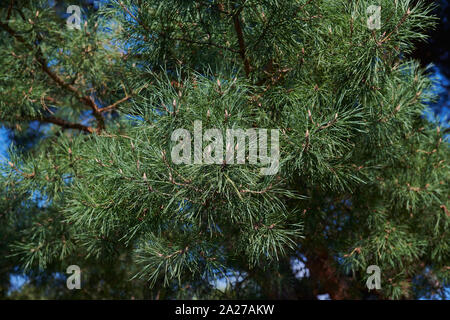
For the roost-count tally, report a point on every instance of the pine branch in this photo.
(88, 101)
(202, 43)
(66, 124)
(402, 20)
(115, 104)
(241, 41)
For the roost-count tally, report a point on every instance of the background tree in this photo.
(363, 176)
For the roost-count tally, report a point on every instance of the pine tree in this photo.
(362, 179)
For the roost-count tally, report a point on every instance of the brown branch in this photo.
(306, 143)
(66, 124)
(25, 175)
(322, 269)
(329, 123)
(388, 117)
(115, 104)
(403, 19)
(9, 10)
(52, 100)
(60, 122)
(444, 208)
(240, 36)
(257, 192)
(87, 100)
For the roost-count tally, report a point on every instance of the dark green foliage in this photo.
(363, 177)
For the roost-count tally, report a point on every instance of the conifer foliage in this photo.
(362, 177)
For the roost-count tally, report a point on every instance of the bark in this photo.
(326, 277)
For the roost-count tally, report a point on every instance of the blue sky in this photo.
(4, 144)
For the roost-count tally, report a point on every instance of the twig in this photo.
(115, 104)
(403, 19)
